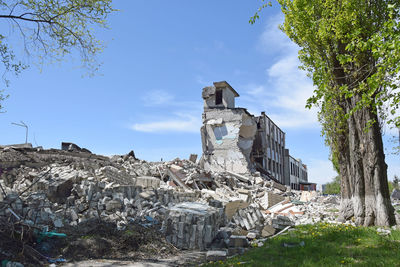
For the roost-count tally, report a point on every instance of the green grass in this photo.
(325, 245)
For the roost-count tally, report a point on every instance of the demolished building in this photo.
(235, 140)
(219, 204)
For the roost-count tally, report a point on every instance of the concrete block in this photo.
(208, 234)
(148, 182)
(279, 186)
(233, 206)
(267, 231)
(113, 205)
(216, 255)
(146, 194)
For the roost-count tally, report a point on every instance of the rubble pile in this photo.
(193, 208)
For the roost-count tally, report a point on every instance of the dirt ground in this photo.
(99, 241)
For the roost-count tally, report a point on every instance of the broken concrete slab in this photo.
(177, 178)
(240, 177)
(270, 199)
(268, 231)
(232, 207)
(281, 222)
(216, 255)
(147, 182)
(307, 196)
(279, 186)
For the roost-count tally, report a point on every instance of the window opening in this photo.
(218, 97)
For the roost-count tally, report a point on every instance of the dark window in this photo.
(218, 97)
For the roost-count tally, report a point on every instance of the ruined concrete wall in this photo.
(227, 138)
(228, 99)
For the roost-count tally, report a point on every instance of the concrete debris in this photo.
(281, 222)
(249, 218)
(284, 208)
(384, 232)
(307, 196)
(216, 255)
(193, 207)
(193, 158)
(267, 231)
(73, 148)
(281, 186)
(192, 225)
(270, 199)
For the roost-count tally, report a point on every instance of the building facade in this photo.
(269, 146)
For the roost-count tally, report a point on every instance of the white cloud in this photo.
(273, 40)
(185, 115)
(219, 45)
(320, 171)
(287, 88)
(200, 80)
(180, 123)
(157, 97)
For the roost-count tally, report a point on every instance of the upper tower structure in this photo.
(221, 95)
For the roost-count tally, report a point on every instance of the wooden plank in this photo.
(284, 208)
(177, 180)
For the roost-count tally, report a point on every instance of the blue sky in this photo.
(147, 94)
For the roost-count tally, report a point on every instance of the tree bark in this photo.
(346, 192)
(366, 171)
(356, 170)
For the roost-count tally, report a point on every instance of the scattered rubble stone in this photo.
(216, 255)
(193, 208)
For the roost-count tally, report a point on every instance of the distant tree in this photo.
(49, 30)
(333, 188)
(396, 182)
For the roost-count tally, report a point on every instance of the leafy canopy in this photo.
(50, 30)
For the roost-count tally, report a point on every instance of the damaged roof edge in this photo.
(223, 84)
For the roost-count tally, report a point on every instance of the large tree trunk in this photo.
(346, 204)
(356, 172)
(378, 207)
(366, 171)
